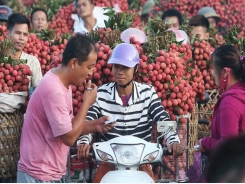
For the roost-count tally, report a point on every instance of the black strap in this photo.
(125, 85)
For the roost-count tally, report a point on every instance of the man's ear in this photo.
(8, 33)
(73, 63)
(207, 36)
(46, 25)
(31, 26)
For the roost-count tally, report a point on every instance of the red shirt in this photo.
(125, 99)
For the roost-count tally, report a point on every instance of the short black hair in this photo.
(173, 13)
(2, 2)
(79, 47)
(38, 9)
(200, 20)
(144, 16)
(91, 2)
(17, 18)
(227, 163)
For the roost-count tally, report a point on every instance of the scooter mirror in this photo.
(166, 126)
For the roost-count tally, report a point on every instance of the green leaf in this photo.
(109, 14)
(176, 83)
(235, 39)
(181, 55)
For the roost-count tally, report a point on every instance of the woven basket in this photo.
(204, 130)
(10, 132)
(191, 153)
(193, 127)
(205, 112)
(193, 135)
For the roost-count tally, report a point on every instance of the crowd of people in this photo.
(50, 128)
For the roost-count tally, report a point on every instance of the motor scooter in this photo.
(127, 153)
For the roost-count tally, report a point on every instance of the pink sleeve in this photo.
(228, 126)
(58, 115)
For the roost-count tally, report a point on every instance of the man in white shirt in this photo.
(39, 19)
(88, 17)
(17, 30)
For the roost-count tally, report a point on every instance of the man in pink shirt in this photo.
(49, 127)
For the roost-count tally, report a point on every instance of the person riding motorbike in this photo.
(135, 105)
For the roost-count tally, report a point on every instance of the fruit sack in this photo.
(10, 102)
(13, 85)
(14, 81)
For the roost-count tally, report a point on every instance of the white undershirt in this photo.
(98, 15)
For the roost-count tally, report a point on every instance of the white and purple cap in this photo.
(180, 36)
(133, 32)
(125, 54)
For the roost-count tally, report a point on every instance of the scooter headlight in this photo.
(128, 154)
(152, 156)
(104, 156)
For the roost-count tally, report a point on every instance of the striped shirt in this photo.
(144, 108)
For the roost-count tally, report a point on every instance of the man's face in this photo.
(212, 22)
(144, 19)
(39, 21)
(19, 36)
(173, 21)
(3, 23)
(200, 32)
(81, 72)
(84, 8)
(122, 74)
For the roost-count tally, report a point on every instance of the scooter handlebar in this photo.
(73, 152)
(91, 155)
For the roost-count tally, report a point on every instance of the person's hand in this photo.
(102, 127)
(200, 148)
(83, 150)
(90, 93)
(176, 149)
